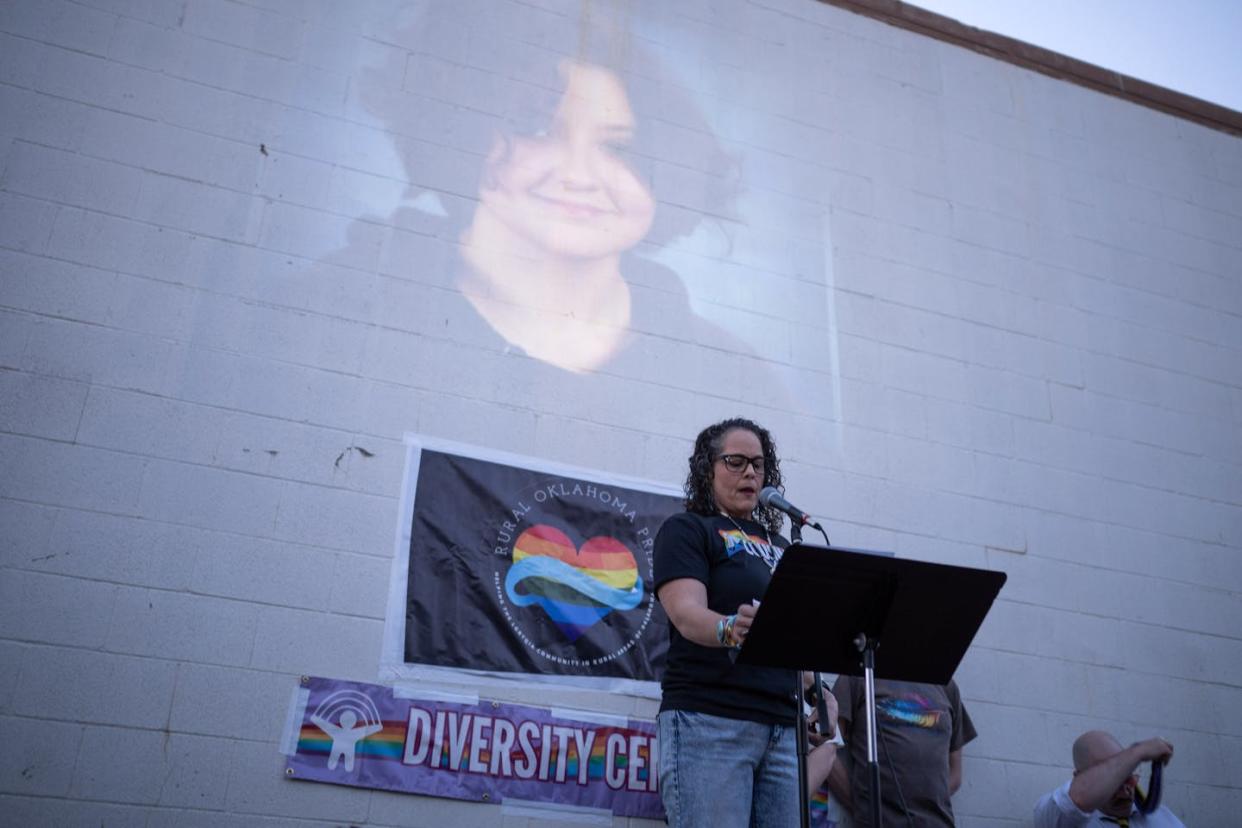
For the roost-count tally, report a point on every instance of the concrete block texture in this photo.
(65, 684)
(991, 317)
(26, 810)
(42, 761)
(57, 610)
(230, 702)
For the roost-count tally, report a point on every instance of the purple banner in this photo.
(348, 733)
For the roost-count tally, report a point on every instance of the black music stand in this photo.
(829, 609)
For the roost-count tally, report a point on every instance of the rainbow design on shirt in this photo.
(735, 540)
(575, 587)
(913, 710)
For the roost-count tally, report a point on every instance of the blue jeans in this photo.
(720, 773)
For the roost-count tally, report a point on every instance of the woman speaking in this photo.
(728, 755)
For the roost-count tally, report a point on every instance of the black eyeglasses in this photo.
(737, 463)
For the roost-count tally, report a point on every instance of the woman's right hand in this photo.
(745, 617)
(685, 602)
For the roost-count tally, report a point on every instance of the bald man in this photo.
(1102, 790)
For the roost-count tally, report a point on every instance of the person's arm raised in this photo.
(1094, 786)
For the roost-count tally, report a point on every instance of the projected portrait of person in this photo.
(559, 231)
(557, 209)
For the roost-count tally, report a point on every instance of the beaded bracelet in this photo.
(724, 631)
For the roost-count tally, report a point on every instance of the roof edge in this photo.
(1047, 62)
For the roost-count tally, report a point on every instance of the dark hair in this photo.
(699, 497)
(460, 78)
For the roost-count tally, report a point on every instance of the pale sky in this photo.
(1191, 46)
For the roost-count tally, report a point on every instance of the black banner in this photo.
(519, 570)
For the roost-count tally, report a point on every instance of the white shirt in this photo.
(1057, 810)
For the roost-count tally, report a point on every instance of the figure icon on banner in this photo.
(346, 733)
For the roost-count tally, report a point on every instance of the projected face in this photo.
(569, 191)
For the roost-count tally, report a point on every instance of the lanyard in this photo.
(1149, 803)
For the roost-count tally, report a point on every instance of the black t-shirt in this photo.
(736, 566)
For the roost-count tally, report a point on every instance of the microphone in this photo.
(773, 499)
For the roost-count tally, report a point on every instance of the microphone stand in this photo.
(867, 646)
(820, 704)
(804, 796)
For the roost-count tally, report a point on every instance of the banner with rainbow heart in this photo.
(368, 736)
(512, 565)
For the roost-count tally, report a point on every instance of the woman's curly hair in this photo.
(699, 497)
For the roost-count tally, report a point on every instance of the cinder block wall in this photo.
(1007, 309)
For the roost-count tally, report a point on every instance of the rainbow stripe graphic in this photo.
(824, 811)
(912, 710)
(389, 743)
(575, 587)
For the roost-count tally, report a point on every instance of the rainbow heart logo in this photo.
(575, 587)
